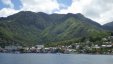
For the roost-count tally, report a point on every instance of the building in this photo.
(106, 46)
(39, 46)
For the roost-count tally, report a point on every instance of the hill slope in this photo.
(108, 26)
(31, 28)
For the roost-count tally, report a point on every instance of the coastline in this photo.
(58, 53)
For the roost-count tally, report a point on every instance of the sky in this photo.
(100, 11)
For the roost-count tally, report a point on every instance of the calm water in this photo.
(55, 59)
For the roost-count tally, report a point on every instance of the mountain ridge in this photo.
(108, 26)
(38, 28)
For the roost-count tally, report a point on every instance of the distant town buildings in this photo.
(85, 47)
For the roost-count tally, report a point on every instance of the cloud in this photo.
(76, 6)
(47, 6)
(7, 11)
(98, 10)
(8, 3)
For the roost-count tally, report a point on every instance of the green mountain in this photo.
(108, 26)
(29, 28)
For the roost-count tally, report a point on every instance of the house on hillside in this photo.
(106, 46)
(39, 46)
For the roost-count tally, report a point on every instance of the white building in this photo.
(40, 46)
(107, 46)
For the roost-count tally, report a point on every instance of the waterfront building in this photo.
(39, 46)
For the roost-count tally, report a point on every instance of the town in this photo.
(75, 48)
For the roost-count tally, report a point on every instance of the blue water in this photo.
(55, 59)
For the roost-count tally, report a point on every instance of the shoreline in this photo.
(58, 53)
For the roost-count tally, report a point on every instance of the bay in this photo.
(32, 58)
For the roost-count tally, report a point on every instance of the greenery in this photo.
(29, 28)
(108, 26)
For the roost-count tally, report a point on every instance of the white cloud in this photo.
(76, 7)
(47, 6)
(97, 10)
(8, 3)
(100, 11)
(7, 11)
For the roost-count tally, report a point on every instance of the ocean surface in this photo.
(32, 58)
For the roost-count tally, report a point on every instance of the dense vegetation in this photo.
(29, 28)
(108, 26)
